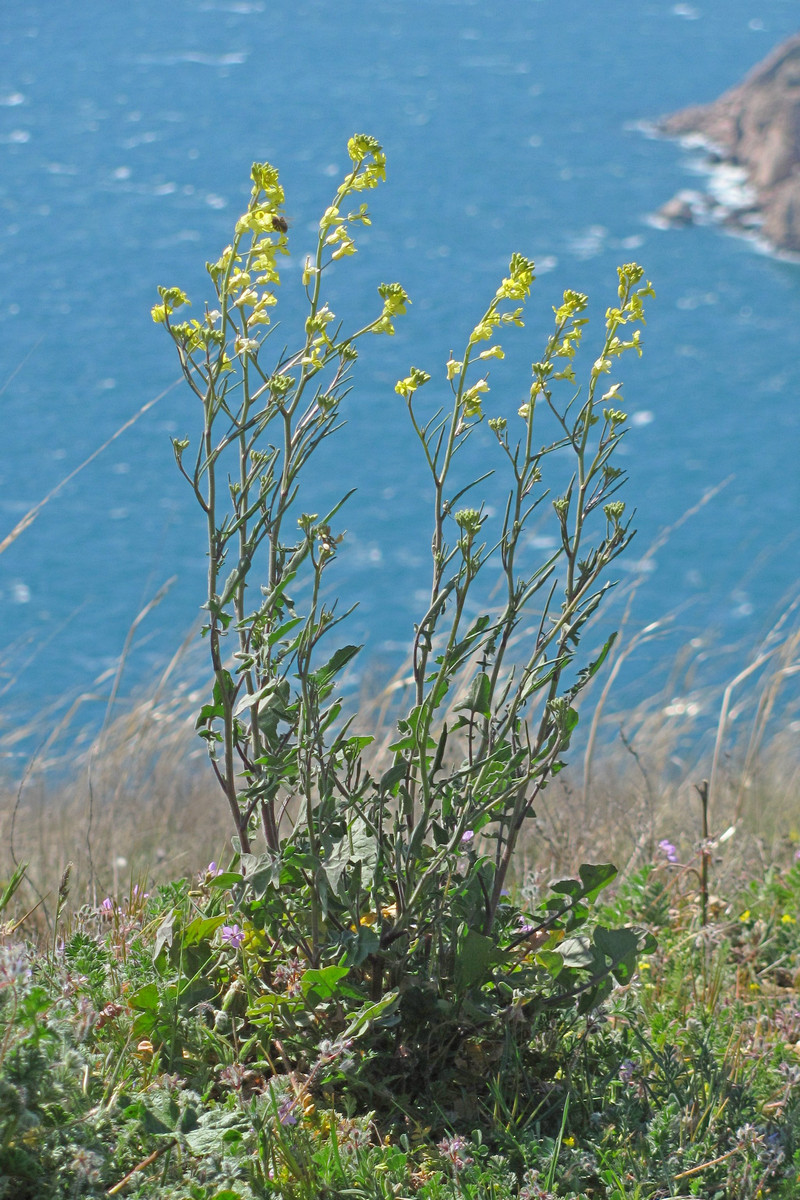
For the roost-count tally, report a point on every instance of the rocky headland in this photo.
(751, 136)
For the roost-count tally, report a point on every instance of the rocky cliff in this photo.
(756, 127)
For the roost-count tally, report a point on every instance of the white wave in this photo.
(241, 7)
(729, 186)
(589, 243)
(235, 59)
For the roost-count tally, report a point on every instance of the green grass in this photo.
(134, 1062)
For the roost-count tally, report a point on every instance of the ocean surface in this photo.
(126, 138)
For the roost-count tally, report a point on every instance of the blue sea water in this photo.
(126, 137)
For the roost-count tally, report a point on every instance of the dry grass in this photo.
(137, 802)
(141, 801)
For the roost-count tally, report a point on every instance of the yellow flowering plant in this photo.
(385, 888)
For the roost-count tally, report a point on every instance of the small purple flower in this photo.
(467, 837)
(627, 1071)
(232, 935)
(286, 1114)
(797, 854)
(107, 905)
(451, 1148)
(668, 850)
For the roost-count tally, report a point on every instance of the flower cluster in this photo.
(451, 1148)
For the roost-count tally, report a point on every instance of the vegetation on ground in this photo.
(140, 1058)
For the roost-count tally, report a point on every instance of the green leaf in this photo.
(264, 1010)
(146, 999)
(595, 877)
(321, 982)
(440, 691)
(476, 955)
(335, 863)
(570, 724)
(463, 648)
(208, 1139)
(226, 879)
(589, 672)
(12, 885)
(143, 1024)
(282, 630)
(369, 1013)
(357, 846)
(576, 952)
(164, 934)
(324, 675)
(260, 873)
(479, 699)
(201, 929)
(248, 700)
(365, 942)
(623, 947)
(207, 713)
(355, 744)
(551, 961)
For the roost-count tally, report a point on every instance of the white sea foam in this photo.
(696, 300)
(589, 243)
(235, 59)
(241, 7)
(729, 186)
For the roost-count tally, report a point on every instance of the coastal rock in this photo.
(677, 211)
(756, 126)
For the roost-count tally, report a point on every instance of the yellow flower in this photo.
(745, 916)
(788, 919)
(370, 918)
